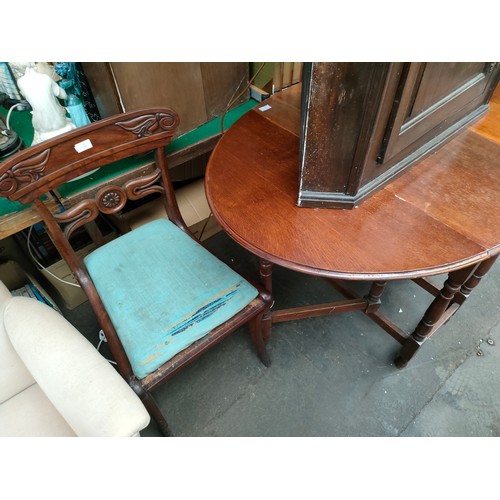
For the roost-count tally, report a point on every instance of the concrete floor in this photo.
(334, 376)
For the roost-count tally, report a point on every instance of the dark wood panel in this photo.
(334, 106)
(364, 124)
(439, 79)
(434, 97)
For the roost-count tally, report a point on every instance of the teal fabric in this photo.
(163, 291)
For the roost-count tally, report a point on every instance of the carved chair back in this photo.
(33, 173)
(222, 301)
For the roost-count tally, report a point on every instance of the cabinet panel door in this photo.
(432, 97)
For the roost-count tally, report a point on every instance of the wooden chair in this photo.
(160, 297)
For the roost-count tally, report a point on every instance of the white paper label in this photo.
(83, 146)
(265, 108)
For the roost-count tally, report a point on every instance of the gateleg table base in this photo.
(447, 300)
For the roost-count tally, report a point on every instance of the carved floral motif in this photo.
(111, 200)
(24, 172)
(78, 215)
(147, 125)
(143, 186)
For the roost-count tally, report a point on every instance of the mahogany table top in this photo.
(440, 215)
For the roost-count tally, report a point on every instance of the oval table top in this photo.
(440, 215)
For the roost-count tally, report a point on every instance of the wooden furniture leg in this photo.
(474, 280)
(151, 406)
(266, 278)
(373, 297)
(434, 315)
(255, 325)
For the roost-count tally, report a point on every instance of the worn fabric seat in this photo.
(163, 291)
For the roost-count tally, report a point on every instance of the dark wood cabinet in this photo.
(363, 124)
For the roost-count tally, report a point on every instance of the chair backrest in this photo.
(32, 174)
(40, 168)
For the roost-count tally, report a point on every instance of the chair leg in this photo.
(266, 279)
(255, 327)
(151, 406)
(155, 412)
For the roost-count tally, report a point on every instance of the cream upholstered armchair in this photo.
(53, 382)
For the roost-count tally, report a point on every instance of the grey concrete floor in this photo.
(334, 376)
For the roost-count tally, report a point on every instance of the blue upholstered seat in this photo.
(163, 291)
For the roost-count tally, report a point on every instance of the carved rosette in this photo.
(146, 125)
(111, 199)
(23, 173)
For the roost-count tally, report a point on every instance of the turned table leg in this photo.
(424, 329)
(474, 280)
(266, 278)
(374, 295)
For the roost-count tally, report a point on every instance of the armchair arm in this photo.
(87, 391)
